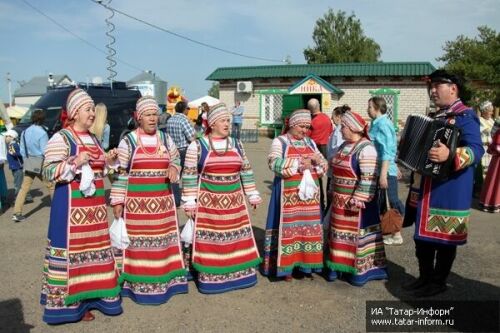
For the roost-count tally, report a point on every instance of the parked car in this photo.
(120, 102)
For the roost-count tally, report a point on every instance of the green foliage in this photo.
(214, 90)
(339, 38)
(478, 61)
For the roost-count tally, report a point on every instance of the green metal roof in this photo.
(324, 70)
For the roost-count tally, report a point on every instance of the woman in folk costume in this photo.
(152, 269)
(294, 234)
(80, 272)
(217, 175)
(486, 122)
(355, 241)
(490, 195)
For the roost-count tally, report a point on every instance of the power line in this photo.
(78, 37)
(184, 37)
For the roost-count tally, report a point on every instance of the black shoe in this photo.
(416, 284)
(430, 290)
(18, 217)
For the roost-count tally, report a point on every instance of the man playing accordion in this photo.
(440, 208)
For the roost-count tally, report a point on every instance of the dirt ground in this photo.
(315, 306)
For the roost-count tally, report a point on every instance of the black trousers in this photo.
(435, 260)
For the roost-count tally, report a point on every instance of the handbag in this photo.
(391, 221)
(32, 164)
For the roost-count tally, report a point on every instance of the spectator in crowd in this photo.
(320, 131)
(163, 120)
(237, 122)
(486, 123)
(201, 121)
(100, 128)
(15, 160)
(383, 136)
(182, 133)
(334, 142)
(33, 142)
(490, 195)
(3, 180)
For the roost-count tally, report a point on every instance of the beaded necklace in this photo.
(213, 148)
(341, 153)
(94, 152)
(295, 148)
(144, 149)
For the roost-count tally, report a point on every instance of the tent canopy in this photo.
(16, 111)
(207, 99)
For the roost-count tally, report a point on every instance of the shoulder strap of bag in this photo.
(23, 134)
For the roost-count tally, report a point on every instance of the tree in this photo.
(214, 90)
(478, 61)
(340, 38)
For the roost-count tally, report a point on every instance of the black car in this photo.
(120, 102)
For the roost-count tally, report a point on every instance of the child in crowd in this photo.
(15, 160)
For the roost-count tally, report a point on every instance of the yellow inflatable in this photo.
(175, 94)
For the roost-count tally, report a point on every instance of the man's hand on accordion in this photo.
(439, 153)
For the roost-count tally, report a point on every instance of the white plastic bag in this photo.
(87, 181)
(307, 187)
(187, 232)
(118, 234)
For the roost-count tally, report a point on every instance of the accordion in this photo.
(420, 134)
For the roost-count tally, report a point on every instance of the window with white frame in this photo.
(271, 106)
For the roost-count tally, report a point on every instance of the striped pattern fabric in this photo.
(224, 249)
(77, 99)
(146, 103)
(152, 267)
(355, 240)
(294, 235)
(298, 117)
(79, 268)
(216, 112)
(485, 126)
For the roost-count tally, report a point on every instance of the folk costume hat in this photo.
(485, 106)
(442, 76)
(144, 104)
(356, 123)
(301, 116)
(216, 112)
(77, 99)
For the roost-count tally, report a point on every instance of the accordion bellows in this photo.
(420, 134)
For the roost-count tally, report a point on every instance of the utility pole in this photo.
(9, 85)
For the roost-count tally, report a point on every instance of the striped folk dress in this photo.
(355, 239)
(151, 268)
(79, 271)
(294, 234)
(225, 254)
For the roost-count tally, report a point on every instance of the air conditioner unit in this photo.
(244, 86)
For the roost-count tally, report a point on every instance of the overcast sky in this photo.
(32, 45)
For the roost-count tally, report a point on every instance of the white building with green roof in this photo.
(269, 92)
